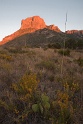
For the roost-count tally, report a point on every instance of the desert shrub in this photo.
(80, 61)
(65, 52)
(80, 44)
(74, 44)
(62, 109)
(18, 101)
(49, 65)
(26, 86)
(16, 50)
(45, 48)
(65, 104)
(6, 57)
(51, 78)
(71, 44)
(3, 51)
(55, 45)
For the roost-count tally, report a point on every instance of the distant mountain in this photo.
(29, 25)
(78, 32)
(34, 32)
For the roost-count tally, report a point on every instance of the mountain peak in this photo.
(29, 25)
(54, 28)
(33, 22)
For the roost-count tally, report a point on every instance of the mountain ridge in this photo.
(29, 25)
(33, 24)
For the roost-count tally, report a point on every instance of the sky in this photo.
(52, 11)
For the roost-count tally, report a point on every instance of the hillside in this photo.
(36, 89)
(47, 38)
(38, 38)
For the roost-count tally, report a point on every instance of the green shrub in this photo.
(80, 61)
(62, 109)
(55, 45)
(80, 44)
(47, 65)
(74, 44)
(42, 106)
(6, 57)
(17, 50)
(65, 52)
(71, 44)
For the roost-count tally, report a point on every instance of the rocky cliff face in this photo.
(79, 32)
(54, 28)
(34, 22)
(29, 25)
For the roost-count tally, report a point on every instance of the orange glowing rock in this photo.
(53, 27)
(33, 22)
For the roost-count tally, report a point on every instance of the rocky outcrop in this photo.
(54, 28)
(33, 22)
(79, 32)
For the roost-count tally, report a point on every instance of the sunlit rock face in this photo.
(53, 27)
(79, 32)
(33, 22)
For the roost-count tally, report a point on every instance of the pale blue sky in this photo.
(52, 11)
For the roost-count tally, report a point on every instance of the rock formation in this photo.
(54, 28)
(29, 25)
(79, 32)
(33, 22)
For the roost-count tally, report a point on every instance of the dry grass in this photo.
(46, 64)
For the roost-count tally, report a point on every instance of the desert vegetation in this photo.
(41, 86)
